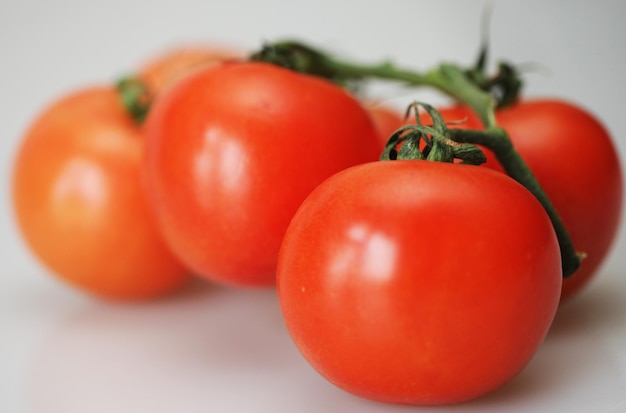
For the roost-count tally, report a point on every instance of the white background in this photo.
(227, 351)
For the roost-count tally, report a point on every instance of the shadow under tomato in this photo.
(581, 355)
(579, 362)
(601, 305)
(200, 346)
(211, 348)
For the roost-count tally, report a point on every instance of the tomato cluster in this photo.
(414, 280)
(78, 191)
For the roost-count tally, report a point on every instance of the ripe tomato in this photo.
(166, 68)
(233, 150)
(576, 163)
(400, 281)
(79, 202)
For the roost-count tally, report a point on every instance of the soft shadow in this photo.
(601, 305)
(576, 361)
(201, 342)
(217, 349)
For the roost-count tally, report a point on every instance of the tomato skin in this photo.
(401, 282)
(79, 202)
(233, 150)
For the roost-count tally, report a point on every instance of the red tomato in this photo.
(169, 66)
(79, 202)
(399, 281)
(233, 150)
(576, 163)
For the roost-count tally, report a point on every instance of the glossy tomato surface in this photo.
(79, 201)
(418, 282)
(233, 150)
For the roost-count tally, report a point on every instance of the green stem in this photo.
(447, 78)
(497, 140)
(454, 82)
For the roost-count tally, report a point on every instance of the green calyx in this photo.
(136, 97)
(429, 142)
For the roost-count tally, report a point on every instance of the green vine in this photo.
(471, 87)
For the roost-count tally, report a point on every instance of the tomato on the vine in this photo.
(79, 201)
(419, 282)
(576, 163)
(574, 159)
(233, 150)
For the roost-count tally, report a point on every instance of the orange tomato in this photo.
(79, 201)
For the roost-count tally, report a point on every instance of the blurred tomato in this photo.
(79, 201)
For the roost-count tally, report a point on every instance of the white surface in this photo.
(227, 351)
